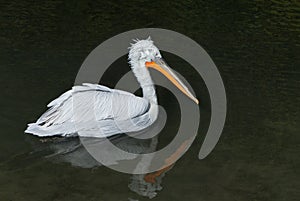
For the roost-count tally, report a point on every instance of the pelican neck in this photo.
(143, 77)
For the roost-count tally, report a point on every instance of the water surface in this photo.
(255, 45)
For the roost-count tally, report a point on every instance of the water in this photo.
(255, 45)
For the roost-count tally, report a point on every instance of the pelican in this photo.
(93, 110)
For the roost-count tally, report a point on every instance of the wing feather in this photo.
(87, 108)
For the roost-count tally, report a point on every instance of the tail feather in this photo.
(54, 121)
(51, 124)
(66, 129)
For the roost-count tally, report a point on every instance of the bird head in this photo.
(143, 54)
(143, 50)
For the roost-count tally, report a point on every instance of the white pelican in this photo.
(93, 110)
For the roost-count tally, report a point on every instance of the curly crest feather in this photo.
(142, 50)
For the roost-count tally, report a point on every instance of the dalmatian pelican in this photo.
(93, 110)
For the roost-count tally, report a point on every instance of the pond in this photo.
(254, 44)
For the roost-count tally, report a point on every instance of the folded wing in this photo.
(92, 110)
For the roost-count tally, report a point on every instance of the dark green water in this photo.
(255, 45)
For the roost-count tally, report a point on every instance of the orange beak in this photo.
(163, 68)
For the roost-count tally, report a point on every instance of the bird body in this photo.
(93, 110)
(100, 112)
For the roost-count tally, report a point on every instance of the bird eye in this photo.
(142, 55)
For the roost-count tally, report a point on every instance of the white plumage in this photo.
(97, 107)
(93, 110)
